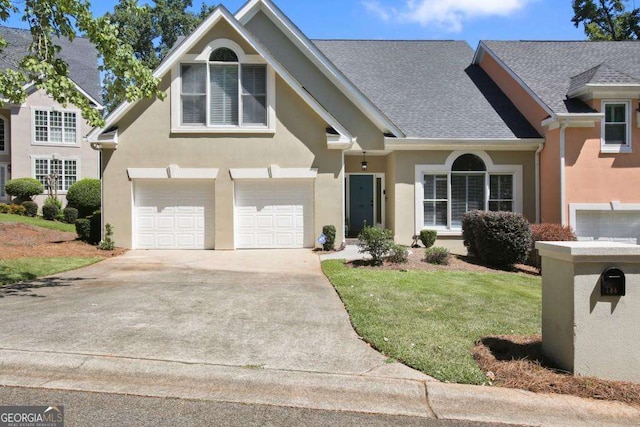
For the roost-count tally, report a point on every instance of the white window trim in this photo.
(55, 144)
(445, 169)
(6, 134)
(5, 166)
(612, 148)
(203, 58)
(55, 157)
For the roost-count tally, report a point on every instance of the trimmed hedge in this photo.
(85, 195)
(376, 242)
(96, 228)
(437, 255)
(398, 254)
(499, 239)
(547, 233)
(70, 215)
(24, 188)
(428, 237)
(50, 212)
(83, 229)
(31, 208)
(329, 232)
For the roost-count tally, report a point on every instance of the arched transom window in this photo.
(467, 185)
(224, 91)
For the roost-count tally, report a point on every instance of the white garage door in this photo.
(274, 214)
(174, 214)
(618, 226)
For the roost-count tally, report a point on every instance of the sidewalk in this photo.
(369, 392)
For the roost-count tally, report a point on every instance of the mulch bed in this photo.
(514, 361)
(22, 240)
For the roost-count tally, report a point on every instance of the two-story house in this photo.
(40, 136)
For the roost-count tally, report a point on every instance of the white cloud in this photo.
(445, 14)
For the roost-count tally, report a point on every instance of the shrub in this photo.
(31, 208)
(70, 215)
(329, 232)
(96, 228)
(17, 210)
(4, 208)
(84, 195)
(376, 242)
(500, 239)
(108, 244)
(428, 237)
(548, 233)
(53, 201)
(469, 234)
(83, 229)
(50, 212)
(437, 255)
(23, 188)
(398, 254)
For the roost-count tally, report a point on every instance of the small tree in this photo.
(376, 242)
(24, 188)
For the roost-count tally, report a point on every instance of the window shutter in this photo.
(3, 181)
(2, 135)
(194, 93)
(224, 95)
(254, 94)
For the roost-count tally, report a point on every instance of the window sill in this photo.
(618, 149)
(445, 232)
(221, 130)
(56, 144)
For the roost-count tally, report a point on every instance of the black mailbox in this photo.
(613, 283)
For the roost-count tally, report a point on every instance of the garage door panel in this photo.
(618, 226)
(274, 214)
(172, 214)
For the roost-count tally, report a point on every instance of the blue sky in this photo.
(469, 20)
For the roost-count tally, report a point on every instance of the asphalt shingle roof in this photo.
(80, 54)
(548, 67)
(429, 89)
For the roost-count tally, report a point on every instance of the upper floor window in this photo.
(3, 135)
(224, 92)
(55, 127)
(616, 126)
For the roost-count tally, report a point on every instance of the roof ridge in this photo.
(390, 40)
(26, 30)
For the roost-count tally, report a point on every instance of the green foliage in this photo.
(70, 215)
(329, 232)
(50, 212)
(85, 195)
(151, 30)
(428, 237)
(607, 19)
(53, 201)
(547, 233)
(501, 239)
(437, 255)
(20, 269)
(23, 188)
(96, 228)
(4, 208)
(469, 234)
(107, 244)
(376, 242)
(51, 20)
(37, 222)
(17, 210)
(398, 254)
(83, 229)
(31, 208)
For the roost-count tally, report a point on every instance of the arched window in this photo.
(469, 183)
(224, 92)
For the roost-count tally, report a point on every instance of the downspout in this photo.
(563, 187)
(538, 201)
(344, 201)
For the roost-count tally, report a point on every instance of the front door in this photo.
(361, 203)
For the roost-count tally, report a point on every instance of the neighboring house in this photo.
(582, 97)
(266, 136)
(40, 136)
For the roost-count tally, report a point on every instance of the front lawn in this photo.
(430, 320)
(16, 270)
(38, 222)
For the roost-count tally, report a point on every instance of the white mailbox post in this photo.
(591, 308)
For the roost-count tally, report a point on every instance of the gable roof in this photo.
(188, 42)
(552, 69)
(429, 88)
(80, 54)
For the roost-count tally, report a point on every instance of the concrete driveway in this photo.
(259, 309)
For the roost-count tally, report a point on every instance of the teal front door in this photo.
(361, 203)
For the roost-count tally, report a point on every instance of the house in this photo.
(266, 136)
(40, 136)
(582, 97)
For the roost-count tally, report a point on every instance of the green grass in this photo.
(16, 270)
(39, 222)
(431, 320)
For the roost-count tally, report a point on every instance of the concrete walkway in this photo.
(261, 327)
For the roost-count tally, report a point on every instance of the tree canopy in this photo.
(151, 30)
(607, 19)
(52, 20)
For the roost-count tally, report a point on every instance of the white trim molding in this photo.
(616, 148)
(445, 169)
(273, 172)
(438, 144)
(172, 172)
(613, 206)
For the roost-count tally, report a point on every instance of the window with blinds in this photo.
(501, 193)
(67, 171)
(194, 94)
(436, 201)
(56, 127)
(254, 94)
(467, 194)
(223, 98)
